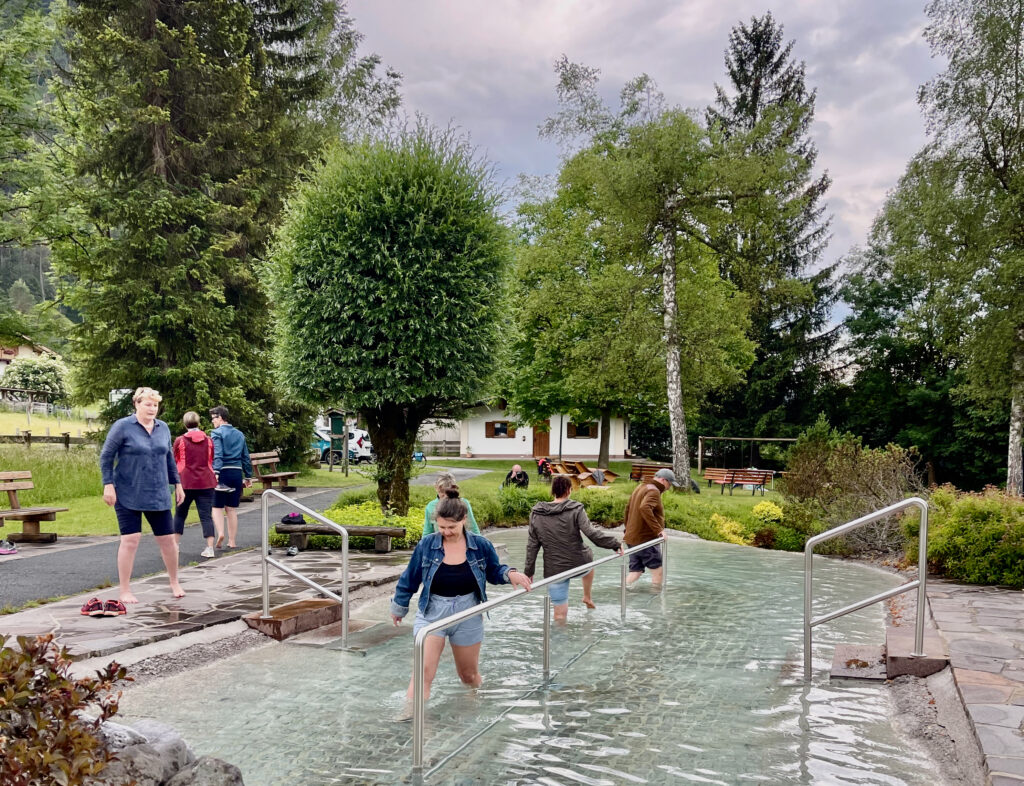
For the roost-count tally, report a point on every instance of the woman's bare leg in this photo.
(218, 524)
(561, 612)
(232, 526)
(432, 649)
(467, 663)
(169, 552)
(125, 562)
(588, 585)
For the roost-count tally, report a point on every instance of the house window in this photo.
(499, 429)
(582, 430)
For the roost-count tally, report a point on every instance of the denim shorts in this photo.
(461, 634)
(559, 592)
(649, 557)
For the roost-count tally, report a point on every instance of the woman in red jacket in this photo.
(193, 453)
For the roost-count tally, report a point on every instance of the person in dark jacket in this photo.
(233, 469)
(137, 467)
(557, 528)
(193, 455)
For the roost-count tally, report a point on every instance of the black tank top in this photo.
(453, 580)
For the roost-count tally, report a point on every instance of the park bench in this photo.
(264, 468)
(755, 478)
(586, 475)
(298, 534)
(12, 483)
(643, 471)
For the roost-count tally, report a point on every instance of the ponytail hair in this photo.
(451, 506)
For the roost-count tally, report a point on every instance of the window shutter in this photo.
(489, 428)
(594, 428)
(511, 431)
(571, 431)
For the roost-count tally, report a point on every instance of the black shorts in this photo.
(129, 521)
(229, 499)
(649, 557)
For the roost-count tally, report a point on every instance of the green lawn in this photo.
(323, 478)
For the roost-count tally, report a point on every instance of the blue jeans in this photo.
(461, 634)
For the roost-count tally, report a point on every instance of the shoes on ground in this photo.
(114, 608)
(208, 552)
(93, 608)
(223, 488)
(6, 547)
(293, 550)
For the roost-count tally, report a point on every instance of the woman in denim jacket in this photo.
(454, 567)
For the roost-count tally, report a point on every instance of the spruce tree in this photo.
(777, 264)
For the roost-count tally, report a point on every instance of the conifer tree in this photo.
(777, 264)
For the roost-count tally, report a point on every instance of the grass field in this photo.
(11, 421)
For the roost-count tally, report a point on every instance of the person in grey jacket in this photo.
(557, 527)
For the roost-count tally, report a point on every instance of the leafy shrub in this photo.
(767, 513)
(975, 538)
(44, 735)
(832, 479)
(730, 530)
(603, 507)
(38, 373)
(362, 514)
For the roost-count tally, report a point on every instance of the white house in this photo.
(25, 348)
(491, 432)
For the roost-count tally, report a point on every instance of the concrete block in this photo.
(899, 660)
(296, 617)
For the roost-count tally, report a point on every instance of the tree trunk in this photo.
(393, 432)
(1014, 465)
(676, 415)
(606, 428)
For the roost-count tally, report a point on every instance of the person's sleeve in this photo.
(246, 461)
(497, 573)
(109, 452)
(598, 536)
(428, 520)
(172, 468)
(179, 454)
(218, 450)
(408, 584)
(532, 547)
(473, 526)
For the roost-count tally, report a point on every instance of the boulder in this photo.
(117, 736)
(208, 771)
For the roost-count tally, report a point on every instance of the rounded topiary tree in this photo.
(388, 280)
(38, 373)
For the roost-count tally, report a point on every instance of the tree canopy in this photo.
(389, 279)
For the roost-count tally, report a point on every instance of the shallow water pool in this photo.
(702, 684)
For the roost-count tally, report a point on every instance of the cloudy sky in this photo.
(486, 66)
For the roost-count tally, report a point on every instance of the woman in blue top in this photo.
(138, 465)
(454, 567)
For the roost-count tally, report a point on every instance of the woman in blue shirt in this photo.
(454, 567)
(138, 465)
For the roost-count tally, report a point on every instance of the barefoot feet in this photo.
(176, 590)
(125, 596)
(589, 603)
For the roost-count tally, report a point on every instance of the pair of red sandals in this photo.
(94, 607)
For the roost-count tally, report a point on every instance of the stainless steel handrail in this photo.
(919, 583)
(267, 560)
(419, 703)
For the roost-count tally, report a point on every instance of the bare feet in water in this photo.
(589, 603)
(176, 590)
(127, 597)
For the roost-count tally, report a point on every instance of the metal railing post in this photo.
(267, 560)
(664, 561)
(920, 584)
(418, 703)
(622, 589)
(547, 638)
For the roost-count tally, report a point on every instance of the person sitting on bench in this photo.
(516, 477)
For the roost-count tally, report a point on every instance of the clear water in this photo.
(702, 684)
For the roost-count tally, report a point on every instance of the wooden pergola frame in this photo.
(701, 440)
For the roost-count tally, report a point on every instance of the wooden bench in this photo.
(268, 477)
(586, 475)
(12, 483)
(756, 478)
(644, 472)
(298, 534)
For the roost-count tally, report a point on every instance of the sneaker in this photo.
(93, 608)
(207, 552)
(114, 608)
(6, 547)
(292, 551)
(223, 489)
